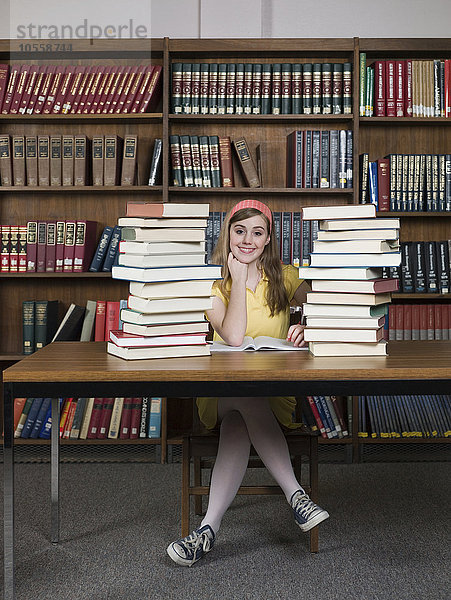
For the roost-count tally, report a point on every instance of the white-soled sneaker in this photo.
(190, 549)
(307, 514)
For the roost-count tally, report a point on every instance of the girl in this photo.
(253, 299)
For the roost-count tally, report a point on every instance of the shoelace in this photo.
(304, 506)
(192, 543)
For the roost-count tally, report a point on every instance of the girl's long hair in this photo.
(276, 295)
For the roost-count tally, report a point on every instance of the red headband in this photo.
(254, 204)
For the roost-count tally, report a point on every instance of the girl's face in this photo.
(248, 239)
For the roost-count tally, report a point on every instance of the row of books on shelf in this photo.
(406, 182)
(419, 322)
(58, 247)
(425, 416)
(319, 159)
(425, 267)
(256, 88)
(42, 322)
(89, 418)
(329, 415)
(30, 89)
(405, 88)
(74, 160)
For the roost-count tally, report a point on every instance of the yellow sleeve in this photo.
(291, 279)
(216, 291)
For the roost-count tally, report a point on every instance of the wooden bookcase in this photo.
(377, 136)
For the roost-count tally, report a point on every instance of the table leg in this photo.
(8, 489)
(55, 471)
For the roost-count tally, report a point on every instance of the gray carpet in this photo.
(388, 537)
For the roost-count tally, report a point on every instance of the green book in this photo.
(28, 319)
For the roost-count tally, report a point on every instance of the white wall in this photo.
(231, 18)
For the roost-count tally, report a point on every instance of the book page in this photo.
(261, 342)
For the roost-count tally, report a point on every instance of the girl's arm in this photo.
(296, 332)
(230, 322)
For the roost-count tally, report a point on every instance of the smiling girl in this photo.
(253, 298)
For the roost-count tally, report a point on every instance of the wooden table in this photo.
(84, 369)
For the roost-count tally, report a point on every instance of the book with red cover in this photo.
(128, 82)
(124, 431)
(153, 92)
(399, 322)
(338, 406)
(407, 324)
(4, 72)
(131, 340)
(105, 418)
(59, 246)
(142, 89)
(10, 88)
(107, 88)
(14, 249)
(383, 184)
(318, 419)
(74, 83)
(28, 90)
(379, 88)
(399, 87)
(82, 82)
(45, 89)
(50, 251)
(69, 246)
(91, 74)
(40, 77)
(446, 310)
(32, 236)
(430, 321)
(22, 258)
(390, 85)
(95, 418)
(70, 419)
(438, 322)
(42, 242)
(99, 91)
(5, 247)
(415, 321)
(63, 90)
(99, 326)
(135, 417)
(111, 318)
(93, 91)
(53, 89)
(423, 321)
(111, 92)
(119, 88)
(20, 89)
(85, 244)
(64, 414)
(134, 89)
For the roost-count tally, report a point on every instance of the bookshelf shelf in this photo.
(86, 119)
(94, 442)
(84, 190)
(414, 214)
(431, 297)
(409, 121)
(251, 119)
(272, 191)
(407, 440)
(84, 275)
(11, 357)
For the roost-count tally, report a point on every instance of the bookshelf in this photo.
(377, 136)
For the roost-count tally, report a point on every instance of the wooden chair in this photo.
(201, 445)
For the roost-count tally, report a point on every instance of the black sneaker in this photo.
(307, 514)
(190, 549)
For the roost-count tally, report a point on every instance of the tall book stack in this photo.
(162, 254)
(346, 309)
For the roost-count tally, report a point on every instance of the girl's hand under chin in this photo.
(238, 270)
(296, 335)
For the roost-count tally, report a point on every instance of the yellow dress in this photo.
(259, 322)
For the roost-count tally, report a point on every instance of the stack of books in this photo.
(162, 254)
(346, 309)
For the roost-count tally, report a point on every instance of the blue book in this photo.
(46, 403)
(31, 417)
(372, 183)
(46, 428)
(113, 248)
(102, 247)
(323, 416)
(154, 430)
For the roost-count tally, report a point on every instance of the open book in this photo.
(262, 342)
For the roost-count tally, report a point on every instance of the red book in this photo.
(29, 87)
(6, 235)
(407, 326)
(379, 88)
(20, 89)
(50, 251)
(95, 418)
(105, 418)
(74, 83)
(70, 419)
(118, 89)
(22, 248)
(112, 89)
(85, 245)
(99, 327)
(54, 89)
(339, 412)
(14, 249)
(111, 318)
(399, 322)
(430, 321)
(44, 89)
(10, 88)
(63, 90)
(93, 91)
(446, 310)
(399, 87)
(135, 417)
(438, 326)
(64, 414)
(383, 184)
(318, 420)
(124, 431)
(69, 246)
(82, 82)
(423, 322)
(136, 85)
(126, 88)
(390, 93)
(40, 77)
(59, 246)
(391, 321)
(152, 93)
(91, 73)
(415, 321)
(4, 71)
(42, 242)
(32, 234)
(99, 92)
(408, 105)
(107, 88)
